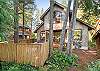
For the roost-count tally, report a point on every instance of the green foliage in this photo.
(11, 66)
(34, 36)
(92, 44)
(6, 15)
(2, 37)
(94, 66)
(88, 6)
(90, 11)
(60, 61)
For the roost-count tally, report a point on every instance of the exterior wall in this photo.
(47, 20)
(27, 32)
(84, 34)
(39, 32)
(58, 26)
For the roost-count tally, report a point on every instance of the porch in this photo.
(43, 36)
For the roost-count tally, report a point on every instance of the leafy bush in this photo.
(11, 66)
(60, 61)
(94, 66)
(92, 44)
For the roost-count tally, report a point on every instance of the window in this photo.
(56, 37)
(57, 16)
(42, 35)
(78, 34)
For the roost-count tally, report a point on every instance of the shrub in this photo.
(60, 61)
(94, 66)
(11, 66)
(92, 44)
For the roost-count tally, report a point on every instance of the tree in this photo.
(90, 11)
(71, 29)
(51, 27)
(63, 2)
(24, 10)
(6, 16)
(16, 21)
(62, 39)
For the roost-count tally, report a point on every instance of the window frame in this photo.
(55, 13)
(80, 34)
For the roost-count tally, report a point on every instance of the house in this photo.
(27, 32)
(81, 28)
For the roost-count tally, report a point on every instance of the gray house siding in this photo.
(39, 32)
(85, 34)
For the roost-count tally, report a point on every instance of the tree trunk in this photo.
(23, 21)
(51, 27)
(16, 21)
(71, 30)
(62, 39)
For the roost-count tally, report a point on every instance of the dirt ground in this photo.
(85, 56)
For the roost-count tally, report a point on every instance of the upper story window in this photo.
(57, 16)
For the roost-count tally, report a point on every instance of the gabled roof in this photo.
(62, 6)
(96, 34)
(38, 27)
(90, 27)
(55, 3)
(86, 24)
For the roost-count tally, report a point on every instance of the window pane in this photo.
(78, 34)
(57, 14)
(56, 37)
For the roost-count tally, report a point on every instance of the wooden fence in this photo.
(26, 53)
(27, 40)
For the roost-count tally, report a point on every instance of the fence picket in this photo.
(27, 53)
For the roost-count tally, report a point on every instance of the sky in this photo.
(43, 4)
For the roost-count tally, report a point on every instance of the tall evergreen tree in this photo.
(6, 15)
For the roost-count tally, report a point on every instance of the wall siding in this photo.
(84, 34)
(47, 19)
(39, 32)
